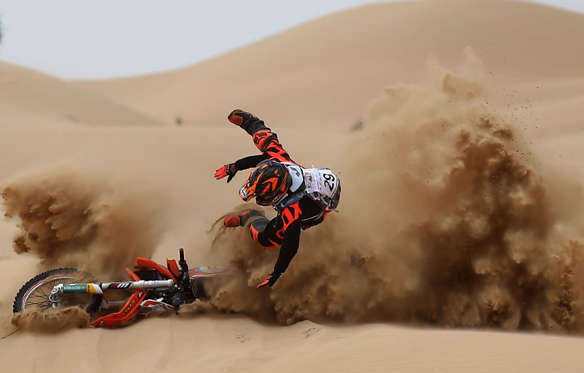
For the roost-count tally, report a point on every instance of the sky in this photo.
(98, 39)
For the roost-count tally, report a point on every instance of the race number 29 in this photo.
(329, 181)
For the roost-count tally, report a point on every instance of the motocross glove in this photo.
(227, 170)
(270, 280)
(240, 117)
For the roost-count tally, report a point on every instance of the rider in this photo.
(302, 197)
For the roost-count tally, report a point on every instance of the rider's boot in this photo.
(241, 218)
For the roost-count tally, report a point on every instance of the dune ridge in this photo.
(350, 55)
(32, 99)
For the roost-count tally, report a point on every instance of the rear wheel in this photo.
(34, 295)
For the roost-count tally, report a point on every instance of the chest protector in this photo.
(320, 184)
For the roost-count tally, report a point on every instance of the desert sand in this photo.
(458, 241)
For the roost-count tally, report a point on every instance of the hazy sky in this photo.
(111, 38)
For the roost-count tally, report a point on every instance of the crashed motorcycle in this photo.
(154, 289)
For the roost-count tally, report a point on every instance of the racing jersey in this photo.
(312, 195)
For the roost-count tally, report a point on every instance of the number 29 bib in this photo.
(323, 186)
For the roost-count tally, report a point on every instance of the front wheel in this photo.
(34, 295)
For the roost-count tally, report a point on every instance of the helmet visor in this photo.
(248, 190)
(245, 194)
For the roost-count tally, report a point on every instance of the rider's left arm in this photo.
(289, 247)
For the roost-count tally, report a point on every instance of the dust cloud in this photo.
(51, 322)
(447, 218)
(70, 218)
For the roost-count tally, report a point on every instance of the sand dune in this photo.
(502, 201)
(325, 71)
(191, 344)
(31, 99)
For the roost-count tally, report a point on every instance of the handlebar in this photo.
(182, 262)
(184, 282)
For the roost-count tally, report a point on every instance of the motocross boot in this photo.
(241, 218)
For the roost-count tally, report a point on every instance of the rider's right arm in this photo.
(263, 137)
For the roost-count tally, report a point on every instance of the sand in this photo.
(375, 287)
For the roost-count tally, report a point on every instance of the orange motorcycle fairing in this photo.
(149, 264)
(172, 267)
(127, 312)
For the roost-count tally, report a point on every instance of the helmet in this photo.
(268, 183)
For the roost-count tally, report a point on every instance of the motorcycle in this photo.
(153, 289)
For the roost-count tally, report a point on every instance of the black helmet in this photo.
(268, 183)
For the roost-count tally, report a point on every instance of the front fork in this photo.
(56, 295)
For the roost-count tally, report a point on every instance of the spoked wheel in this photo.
(34, 295)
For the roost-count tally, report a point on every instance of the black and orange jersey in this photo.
(266, 141)
(292, 217)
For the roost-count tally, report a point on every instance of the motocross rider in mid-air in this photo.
(302, 197)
